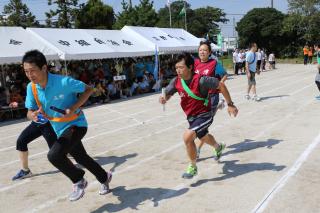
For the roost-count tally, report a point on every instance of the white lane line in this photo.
(282, 182)
(92, 184)
(97, 135)
(180, 186)
(21, 182)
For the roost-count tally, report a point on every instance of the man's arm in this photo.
(170, 90)
(83, 97)
(207, 83)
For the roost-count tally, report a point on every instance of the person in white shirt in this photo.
(235, 60)
(272, 60)
(259, 59)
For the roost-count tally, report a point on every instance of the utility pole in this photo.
(185, 15)
(271, 3)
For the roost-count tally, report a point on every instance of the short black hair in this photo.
(317, 45)
(35, 57)
(206, 42)
(188, 59)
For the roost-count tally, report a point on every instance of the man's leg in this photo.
(29, 134)
(188, 137)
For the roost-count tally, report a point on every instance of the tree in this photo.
(140, 15)
(95, 15)
(18, 14)
(304, 18)
(200, 21)
(64, 15)
(177, 20)
(263, 26)
(304, 7)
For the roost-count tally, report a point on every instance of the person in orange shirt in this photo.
(305, 54)
(310, 55)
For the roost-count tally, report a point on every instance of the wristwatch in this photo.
(231, 104)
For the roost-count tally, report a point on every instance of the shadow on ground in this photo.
(246, 145)
(232, 169)
(132, 198)
(115, 160)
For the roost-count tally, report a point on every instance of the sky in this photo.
(234, 8)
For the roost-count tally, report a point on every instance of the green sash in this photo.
(192, 95)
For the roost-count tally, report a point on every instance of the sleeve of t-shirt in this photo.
(73, 85)
(207, 83)
(171, 89)
(30, 102)
(220, 71)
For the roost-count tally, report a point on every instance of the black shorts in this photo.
(201, 123)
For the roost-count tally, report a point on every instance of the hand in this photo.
(69, 112)
(233, 110)
(162, 100)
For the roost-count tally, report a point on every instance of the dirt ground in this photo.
(270, 163)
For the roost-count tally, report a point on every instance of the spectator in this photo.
(139, 68)
(15, 98)
(4, 97)
(305, 54)
(310, 55)
(272, 61)
(114, 93)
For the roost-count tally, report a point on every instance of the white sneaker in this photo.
(247, 97)
(105, 189)
(256, 98)
(78, 190)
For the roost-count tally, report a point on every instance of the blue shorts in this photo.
(201, 123)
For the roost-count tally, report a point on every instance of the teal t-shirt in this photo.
(61, 92)
(318, 57)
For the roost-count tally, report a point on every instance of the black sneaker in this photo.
(22, 174)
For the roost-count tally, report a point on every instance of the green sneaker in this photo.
(217, 153)
(191, 171)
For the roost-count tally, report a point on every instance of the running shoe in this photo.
(218, 152)
(256, 98)
(191, 171)
(247, 97)
(78, 190)
(22, 174)
(104, 189)
(318, 97)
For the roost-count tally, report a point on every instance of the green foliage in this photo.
(64, 15)
(263, 26)
(199, 21)
(94, 15)
(18, 14)
(142, 14)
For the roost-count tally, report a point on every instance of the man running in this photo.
(194, 91)
(56, 97)
(35, 129)
(251, 70)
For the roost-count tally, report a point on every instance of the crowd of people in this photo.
(264, 61)
(308, 52)
(111, 79)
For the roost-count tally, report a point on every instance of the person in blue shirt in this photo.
(56, 98)
(251, 70)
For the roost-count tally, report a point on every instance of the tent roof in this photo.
(15, 42)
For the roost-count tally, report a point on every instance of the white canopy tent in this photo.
(74, 44)
(124, 44)
(188, 41)
(166, 40)
(15, 42)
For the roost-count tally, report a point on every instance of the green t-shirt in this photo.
(318, 57)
